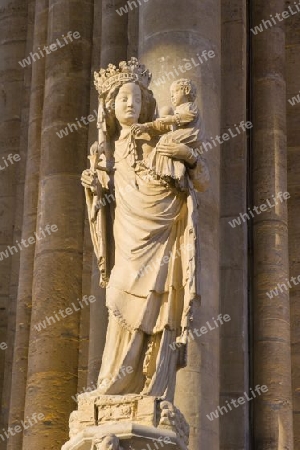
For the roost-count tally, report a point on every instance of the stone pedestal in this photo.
(132, 422)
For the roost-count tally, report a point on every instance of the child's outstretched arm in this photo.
(157, 126)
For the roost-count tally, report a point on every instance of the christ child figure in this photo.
(184, 126)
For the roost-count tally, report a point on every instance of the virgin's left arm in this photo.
(199, 174)
(195, 163)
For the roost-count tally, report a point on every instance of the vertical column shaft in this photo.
(293, 141)
(234, 365)
(114, 32)
(87, 328)
(271, 316)
(18, 216)
(98, 324)
(13, 32)
(57, 284)
(24, 303)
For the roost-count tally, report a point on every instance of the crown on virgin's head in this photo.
(130, 70)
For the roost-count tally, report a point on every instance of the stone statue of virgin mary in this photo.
(145, 234)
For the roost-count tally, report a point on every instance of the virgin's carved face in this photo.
(128, 104)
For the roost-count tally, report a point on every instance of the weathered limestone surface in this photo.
(86, 376)
(23, 313)
(234, 364)
(52, 378)
(13, 31)
(273, 426)
(114, 33)
(137, 421)
(293, 142)
(98, 314)
(20, 185)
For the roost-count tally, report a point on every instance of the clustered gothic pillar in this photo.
(293, 120)
(11, 370)
(24, 304)
(114, 33)
(89, 331)
(13, 32)
(234, 363)
(168, 40)
(53, 351)
(98, 311)
(271, 317)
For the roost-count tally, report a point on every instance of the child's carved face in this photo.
(179, 95)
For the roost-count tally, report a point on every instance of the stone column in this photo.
(114, 32)
(13, 32)
(234, 364)
(293, 141)
(87, 327)
(172, 37)
(24, 303)
(84, 334)
(10, 370)
(273, 425)
(98, 326)
(97, 323)
(133, 33)
(53, 351)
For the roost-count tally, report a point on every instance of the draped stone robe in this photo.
(155, 276)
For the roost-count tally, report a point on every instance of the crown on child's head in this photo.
(128, 71)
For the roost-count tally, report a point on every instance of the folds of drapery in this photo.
(100, 206)
(156, 274)
(141, 363)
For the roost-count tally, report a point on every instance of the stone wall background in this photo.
(250, 78)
